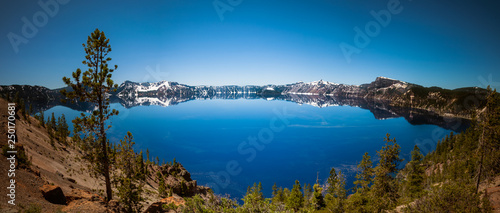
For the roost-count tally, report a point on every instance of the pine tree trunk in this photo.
(109, 193)
(104, 143)
(481, 150)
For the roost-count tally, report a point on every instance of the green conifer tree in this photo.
(30, 109)
(488, 151)
(254, 199)
(162, 188)
(415, 176)
(129, 184)
(317, 199)
(335, 193)
(385, 187)
(296, 198)
(42, 119)
(142, 170)
(365, 174)
(147, 156)
(308, 192)
(278, 196)
(360, 200)
(53, 122)
(92, 86)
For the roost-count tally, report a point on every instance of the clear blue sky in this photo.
(433, 43)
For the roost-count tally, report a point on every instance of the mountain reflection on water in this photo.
(380, 109)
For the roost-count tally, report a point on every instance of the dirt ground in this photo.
(50, 164)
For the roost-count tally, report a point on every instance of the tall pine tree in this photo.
(92, 86)
(415, 176)
(385, 187)
(489, 147)
(128, 180)
(296, 198)
(317, 200)
(364, 177)
(335, 193)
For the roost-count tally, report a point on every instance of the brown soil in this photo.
(27, 181)
(50, 164)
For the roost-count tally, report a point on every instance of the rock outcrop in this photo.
(79, 194)
(178, 181)
(173, 201)
(53, 194)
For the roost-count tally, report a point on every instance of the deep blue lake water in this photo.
(230, 144)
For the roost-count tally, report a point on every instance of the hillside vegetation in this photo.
(48, 158)
(453, 178)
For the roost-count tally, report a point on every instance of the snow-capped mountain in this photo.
(167, 93)
(385, 97)
(313, 88)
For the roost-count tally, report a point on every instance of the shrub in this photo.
(449, 197)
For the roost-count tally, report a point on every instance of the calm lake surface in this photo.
(230, 144)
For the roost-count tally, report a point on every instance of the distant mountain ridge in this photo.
(395, 92)
(384, 96)
(320, 87)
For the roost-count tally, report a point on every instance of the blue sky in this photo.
(433, 43)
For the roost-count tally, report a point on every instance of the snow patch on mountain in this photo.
(386, 78)
(321, 82)
(147, 87)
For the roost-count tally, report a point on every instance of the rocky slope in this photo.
(459, 102)
(52, 177)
